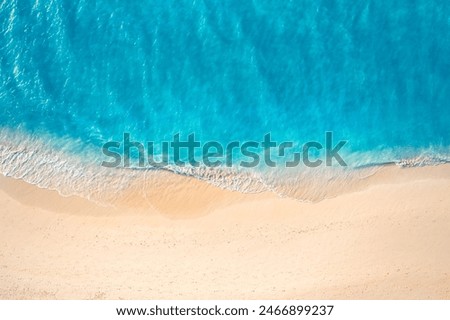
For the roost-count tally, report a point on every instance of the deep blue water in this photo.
(376, 73)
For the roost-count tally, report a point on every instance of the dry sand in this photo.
(390, 239)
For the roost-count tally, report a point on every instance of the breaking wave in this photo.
(51, 163)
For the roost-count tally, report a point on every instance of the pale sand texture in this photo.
(388, 239)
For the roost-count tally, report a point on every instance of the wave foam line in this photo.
(52, 163)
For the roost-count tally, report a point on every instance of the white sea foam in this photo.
(44, 163)
(52, 164)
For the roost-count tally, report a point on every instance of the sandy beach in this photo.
(389, 239)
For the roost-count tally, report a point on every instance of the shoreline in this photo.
(81, 175)
(386, 239)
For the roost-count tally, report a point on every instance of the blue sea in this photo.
(77, 74)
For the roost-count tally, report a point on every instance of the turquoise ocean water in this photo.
(76, 74)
